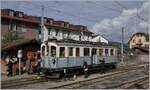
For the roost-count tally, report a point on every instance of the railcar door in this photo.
(94, 56)
(53, 56)
(43, 53)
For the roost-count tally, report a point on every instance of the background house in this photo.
(139, 39)
(139, 43)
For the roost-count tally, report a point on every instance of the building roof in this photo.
(36, 20)
(18, 43)
(139, 33)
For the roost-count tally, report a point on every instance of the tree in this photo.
(11, 36)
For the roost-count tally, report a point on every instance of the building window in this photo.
(23, 27)
(133, 41)
(100, 52)
(70, 50)
(20, 14)
(86, 52)
(77, 52)
(62, 52)
(66, 25)
(12, 26)
(11, 13)
(139, 41)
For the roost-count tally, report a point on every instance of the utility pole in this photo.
(122, 45)
(42, 22)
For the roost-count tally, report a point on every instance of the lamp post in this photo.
(19, 56)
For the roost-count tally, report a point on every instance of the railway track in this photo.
(141, 83)
(129, 84)
(27, 81)
(93, 80)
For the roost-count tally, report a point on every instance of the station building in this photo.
(29, 28)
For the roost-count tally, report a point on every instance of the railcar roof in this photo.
(69, 42)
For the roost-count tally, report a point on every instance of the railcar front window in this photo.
(43, 51)
(53, 51)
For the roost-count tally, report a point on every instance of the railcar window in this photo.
(70, 50)
(43, 51)
(78, 52)
(106, 52)
(112, 52)
(62, 52)
(100, 52)
(47, 50)
(53, 51)
(86, 52)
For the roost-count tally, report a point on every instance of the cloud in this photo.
(127, 19)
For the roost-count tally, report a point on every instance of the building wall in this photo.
(30, 30)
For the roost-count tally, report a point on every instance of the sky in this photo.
(104, 17)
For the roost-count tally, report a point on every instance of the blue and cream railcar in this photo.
(60, 55)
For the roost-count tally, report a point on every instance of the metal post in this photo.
(19, 66)
(19, 56)
(42, 22)
(42, 17)
(122, 45)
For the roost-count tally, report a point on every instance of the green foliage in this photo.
(10, 37)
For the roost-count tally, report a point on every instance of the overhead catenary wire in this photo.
(109, 8)
(65, 13)
(124, 7)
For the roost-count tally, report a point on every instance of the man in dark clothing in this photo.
(10, 67)
(103, 65)
(85, 66)
(28, 66)
(38, 63)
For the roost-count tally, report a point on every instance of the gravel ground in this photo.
(115, 81)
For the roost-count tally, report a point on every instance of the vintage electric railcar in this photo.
(70, 55)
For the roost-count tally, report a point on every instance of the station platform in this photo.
(17, 77)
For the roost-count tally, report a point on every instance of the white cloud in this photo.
(127, 19)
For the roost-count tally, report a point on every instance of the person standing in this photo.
(103, 65)
(28, 66)
(14, 65)
(85, 67)
(10, 67)
(65, 75)
(38, 63)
